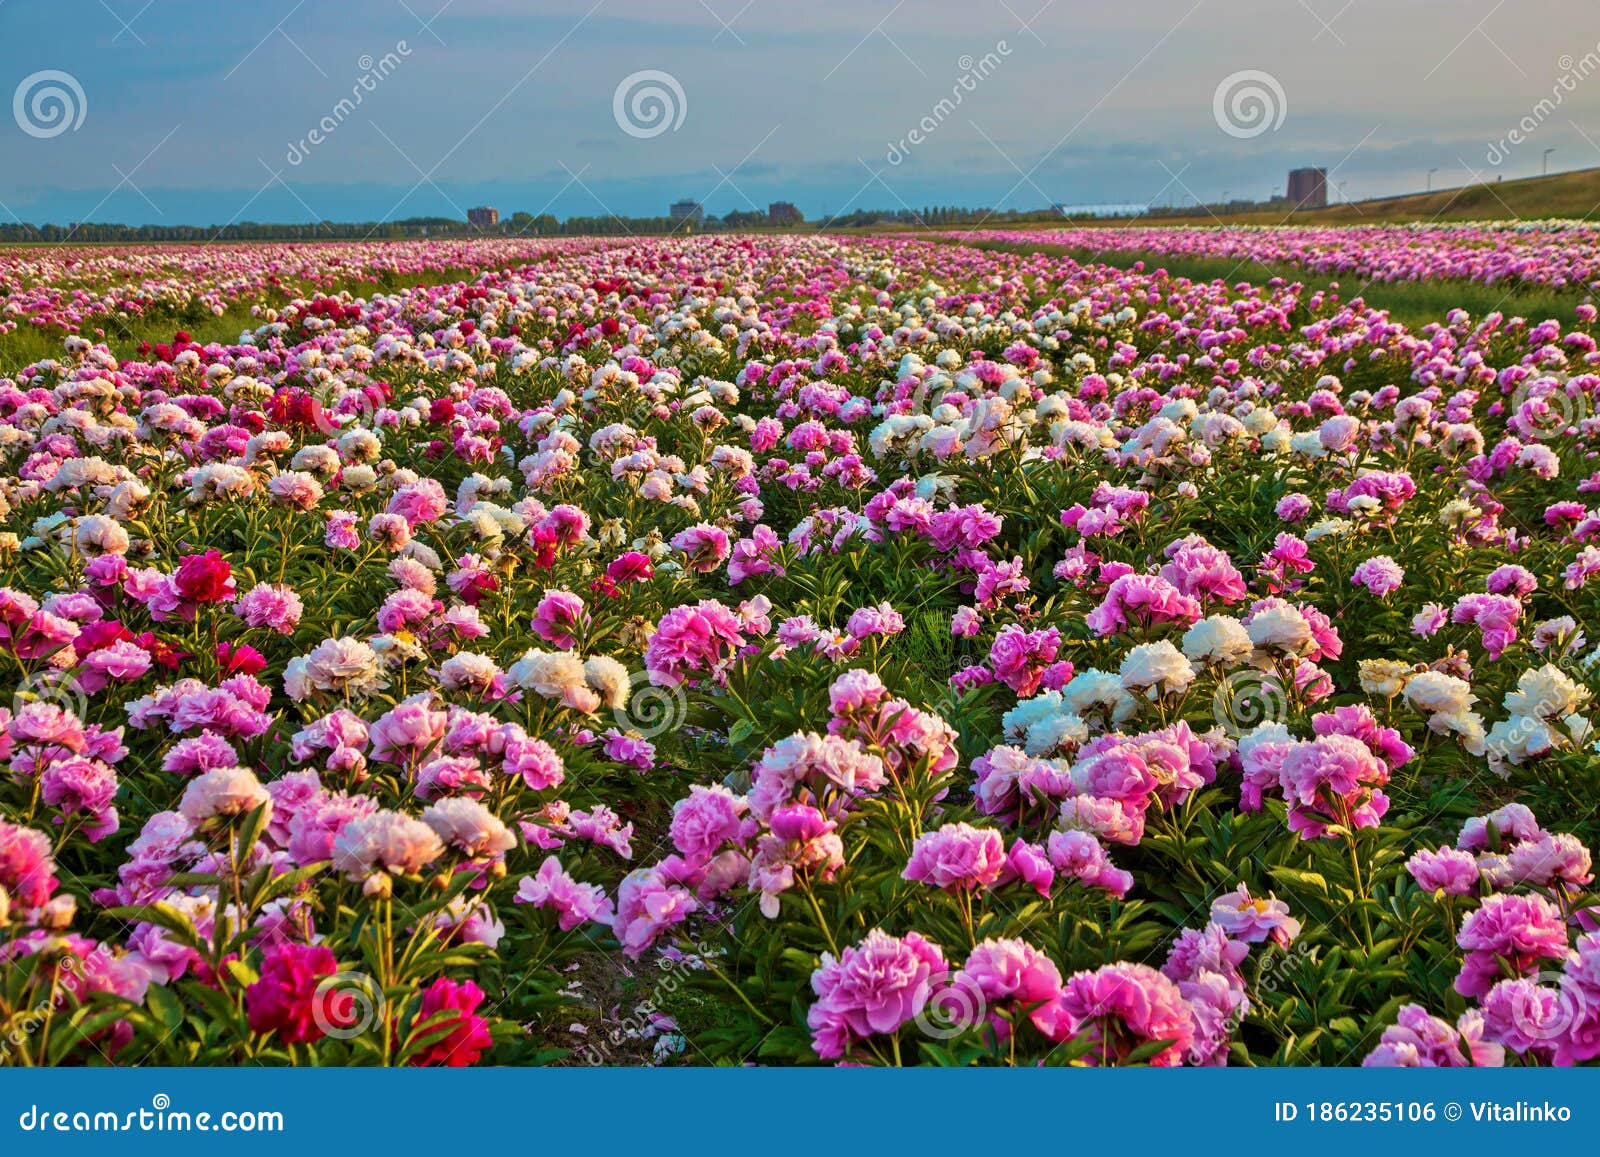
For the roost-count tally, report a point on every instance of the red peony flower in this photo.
(164, 653)
(205, 578)
(470, 1037)
(240, 659)
(632, 567)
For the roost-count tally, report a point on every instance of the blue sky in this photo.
(202, 112)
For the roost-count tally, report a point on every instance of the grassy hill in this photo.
(1574, 194)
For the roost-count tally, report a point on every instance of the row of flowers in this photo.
(1556, 253)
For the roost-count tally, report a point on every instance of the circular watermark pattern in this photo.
(652, 710)
(1248, 103)
(56, 688)
(347, 1004)
(339, 408)
(48, 103)
(1559, 1005)
(950, 1012)
(648, 103)
(1546, 406)
(1247, 699)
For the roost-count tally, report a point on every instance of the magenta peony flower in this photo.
(1001, 976)
(1019, 657)
(706, 819)
(874, 987)
(1419, 1040)
(1508, 933)
(1121, 1007)
(692, 640)
(1144, 600)
(285, 999)
(558, 618)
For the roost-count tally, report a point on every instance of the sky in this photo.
(184, 112)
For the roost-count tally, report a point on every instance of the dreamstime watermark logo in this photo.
(160, 1117)
(1279, 967)
(1546, 406)
(373, 72)
(1249, 103)
(973, 73)
(53, 688)
(1247, 699)
(1574, 71)
(937, 390)
(339, 407)
(647, 1015)
(347, 1004)
(1554, 1007)
(648, 103)
(950, 1012)
(696, 359)
(652, 710)
(23, 1024)
(48, 103)
(1278, 970)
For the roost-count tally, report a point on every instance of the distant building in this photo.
(1308, 188)
(483, 217)
(784, 213)
(687, 210)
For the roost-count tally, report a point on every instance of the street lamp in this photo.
(1545, 167)
(1431, 172)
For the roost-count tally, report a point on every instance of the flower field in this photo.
(1559, 254)
(797, 650)
(91, 290)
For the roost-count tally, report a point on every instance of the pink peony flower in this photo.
(574, 903)
(27, 871)
(1508, 932)
(957, 857)
(1143, 600)
(1005, 975)
(647, 906)
(1245, 918)
(1380, 574)
(1446, 870)
(223, 791)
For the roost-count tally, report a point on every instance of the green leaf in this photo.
(1298, 876)
(165, 1005)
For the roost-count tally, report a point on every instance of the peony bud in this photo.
(58, 913)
